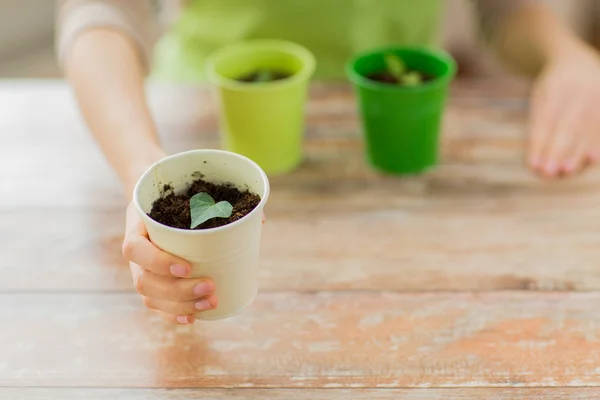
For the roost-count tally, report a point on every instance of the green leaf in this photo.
(203, 208)
(395, 66)
(264, 76)
(412, 78)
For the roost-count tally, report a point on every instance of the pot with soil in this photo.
(206, 206)
(261, 87)
(401, 95)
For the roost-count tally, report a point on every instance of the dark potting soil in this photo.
(174, 209)
(386, 77)
(264, 76)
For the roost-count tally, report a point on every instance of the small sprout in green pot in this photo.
(397, 73)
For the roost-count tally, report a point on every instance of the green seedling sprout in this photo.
(397, 68)
(203, 208)
(264, 76)
(412, 78)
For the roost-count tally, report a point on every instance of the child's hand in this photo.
(565, 114)
(157, 277)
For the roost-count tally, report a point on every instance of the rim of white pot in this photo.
(200, 232)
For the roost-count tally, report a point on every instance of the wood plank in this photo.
(299, 394)
(70, 179)
(53, 101)
(404, 248)
(55, 156)
(97, 334)
(321, 340)
(517, 236)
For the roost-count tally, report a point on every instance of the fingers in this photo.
(592, 156)
(176, 300)
(541, 129)
(565, 149)
(564, 119)
(576, 158)
(175, 308)
(559, 142)
(138, 249)
(156, 286)
(177, 319)
(592, 152)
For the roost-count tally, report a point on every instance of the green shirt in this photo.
(333, 30)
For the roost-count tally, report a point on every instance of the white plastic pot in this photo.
(227, 254)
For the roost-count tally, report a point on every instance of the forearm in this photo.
(108, 80)
(527, 35)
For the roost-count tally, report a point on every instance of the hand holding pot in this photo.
(157, 277)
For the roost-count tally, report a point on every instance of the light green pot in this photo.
(262, 121)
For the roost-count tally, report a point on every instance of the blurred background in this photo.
(26, 35)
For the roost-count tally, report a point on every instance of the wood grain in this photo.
(55, 151)
(475, 281)
(322, 340)
(481, 221)
(390, 249)
(301, 394)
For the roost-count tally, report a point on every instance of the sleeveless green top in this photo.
(333, 30)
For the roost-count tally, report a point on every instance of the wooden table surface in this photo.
(475, 281)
